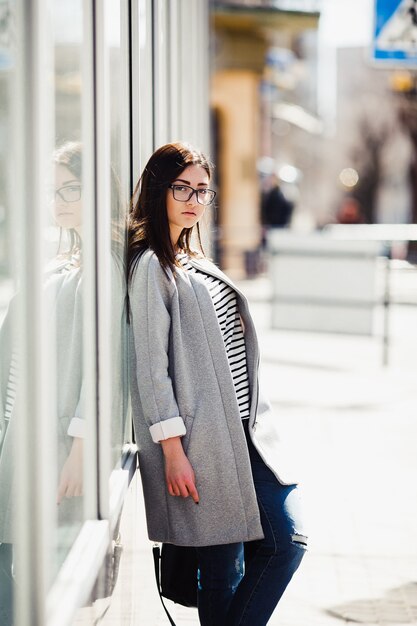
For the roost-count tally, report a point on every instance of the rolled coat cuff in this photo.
(76, 428)
(172, 427)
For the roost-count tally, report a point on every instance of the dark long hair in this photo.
(148, 221)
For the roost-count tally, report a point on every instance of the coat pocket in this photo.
(188, 421)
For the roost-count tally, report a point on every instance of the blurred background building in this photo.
(316, 111)
(262, 81)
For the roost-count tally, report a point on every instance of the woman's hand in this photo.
(179, 473)
(71, 479)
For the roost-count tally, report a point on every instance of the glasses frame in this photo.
(58, 192)
(193, 191)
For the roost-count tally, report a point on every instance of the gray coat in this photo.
(63, 295)
(180, 373)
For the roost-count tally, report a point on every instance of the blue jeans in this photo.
(241, 584)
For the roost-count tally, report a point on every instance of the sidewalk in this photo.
(353, 426)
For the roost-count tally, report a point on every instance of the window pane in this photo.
(117, 47)
(161, 71)
(8, 371)
(66, 271)
(126, 580)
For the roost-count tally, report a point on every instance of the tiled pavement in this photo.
(353, 426)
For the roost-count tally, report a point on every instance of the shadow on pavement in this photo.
(399, 605)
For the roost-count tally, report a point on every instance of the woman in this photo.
(206, 437)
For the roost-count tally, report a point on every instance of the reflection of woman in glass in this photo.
(67, 267)
(205, 434)
(62, 293)
(68, 216)
(66, 281)
(67, 204)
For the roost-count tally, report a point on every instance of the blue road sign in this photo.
(395, 32)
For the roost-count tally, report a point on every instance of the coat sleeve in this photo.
(150, 297)
(77, 424)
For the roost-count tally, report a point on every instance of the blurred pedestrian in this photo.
(276, 208)
(350, 211)
(206, 435)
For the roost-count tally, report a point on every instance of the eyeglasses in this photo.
(71, 193)
(183, 193)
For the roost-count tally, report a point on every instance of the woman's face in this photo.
(68, 204)
(186, 214)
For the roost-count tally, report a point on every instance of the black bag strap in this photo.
(157, 561)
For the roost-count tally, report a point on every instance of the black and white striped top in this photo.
(225, 303)
(11, 389)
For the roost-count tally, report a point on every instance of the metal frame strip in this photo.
(32, 145)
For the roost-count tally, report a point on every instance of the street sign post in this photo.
(395, 33)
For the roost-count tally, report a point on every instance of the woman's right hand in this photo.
(179, 473)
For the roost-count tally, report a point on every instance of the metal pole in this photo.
(387, 302)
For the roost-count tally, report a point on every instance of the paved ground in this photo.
(353, 425)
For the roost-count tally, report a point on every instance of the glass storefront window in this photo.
(43, 389)
(8, 362)
(65, 271)
(117, 43)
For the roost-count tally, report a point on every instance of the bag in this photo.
(176, 574)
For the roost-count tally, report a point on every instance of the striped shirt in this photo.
(11, 389)
(225, 304)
